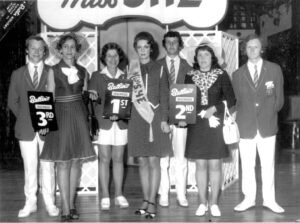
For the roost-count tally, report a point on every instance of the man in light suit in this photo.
(258, 87)
(32, 77)
(176, 69)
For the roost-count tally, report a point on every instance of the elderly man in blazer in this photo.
(176, 69)
(258, 86)
(32, 77)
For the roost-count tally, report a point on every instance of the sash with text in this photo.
(183, 103)
(118, 98)
(42, 112)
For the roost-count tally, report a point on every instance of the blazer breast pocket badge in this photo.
(269, 88)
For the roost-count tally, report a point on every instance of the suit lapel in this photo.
(248, 77)
(262, 74)
(44, 76)
(181, 72)
(165, 66)
(27, 77)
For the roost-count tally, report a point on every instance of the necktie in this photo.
(255, 76)
(172, 72)
(35, 79)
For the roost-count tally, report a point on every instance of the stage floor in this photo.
(287, 194)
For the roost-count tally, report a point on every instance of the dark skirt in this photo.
(204, 142)
(72, 139)
(138, 136)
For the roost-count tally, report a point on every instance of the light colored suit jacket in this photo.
(20, 83)
(257, 108)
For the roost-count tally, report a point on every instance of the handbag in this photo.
(93, 122)
(231, 132)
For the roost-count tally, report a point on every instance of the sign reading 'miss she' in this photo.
(66, 14)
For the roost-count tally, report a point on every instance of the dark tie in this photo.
(255, 76)
(35, 79)
(172, 72)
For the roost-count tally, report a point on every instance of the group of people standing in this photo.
(254, 96)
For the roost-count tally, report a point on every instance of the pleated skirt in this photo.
(71, 140)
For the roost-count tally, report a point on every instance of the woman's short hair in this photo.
(68, 36)
(38, 38)
(174, 34)
(214, 59)
(112, 46)
(144, 36)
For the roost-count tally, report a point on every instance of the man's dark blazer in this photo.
(257, 108)
(20, 83)
(184, 68)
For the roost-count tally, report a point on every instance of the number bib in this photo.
(117, 100)
(42, 112)
(183, 103)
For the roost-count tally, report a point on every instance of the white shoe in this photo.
(105, 203)
(52, 210)
(183, 202)
(273, 206)
(27, 210)
(121, 202)
(163, 201)
(244, 205)
(215, 210)
(201, 210)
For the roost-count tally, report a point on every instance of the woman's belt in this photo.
(68, 98)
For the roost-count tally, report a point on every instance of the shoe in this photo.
(183, 202)
(273, 206)
(74, 214)
(27, 210)
(66, 218)
(52, 210)
(121, 202)
(105, 203)
(201, 210)
(149, 214)
(164, 201)
(244, 205)
(142, 211)
(215, 210)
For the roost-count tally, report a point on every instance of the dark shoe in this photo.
(151, 215)
(66, 218)
(142, 211)
(74, 214)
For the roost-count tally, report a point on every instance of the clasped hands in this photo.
(209, 114)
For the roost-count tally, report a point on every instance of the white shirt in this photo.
(251, 67)
(31, 68)
(176, 64)
(106, 72)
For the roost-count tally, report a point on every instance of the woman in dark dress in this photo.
(205, 143)
(147, 130)
(71, 142)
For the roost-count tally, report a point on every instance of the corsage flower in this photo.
(269, 84)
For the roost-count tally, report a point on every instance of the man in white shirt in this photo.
(176, 68)
(32, 77)
(258, 87)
